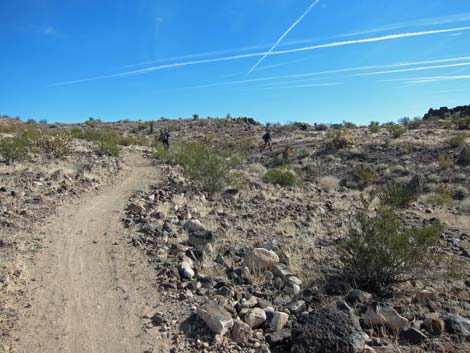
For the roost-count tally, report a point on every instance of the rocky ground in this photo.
(254, 268)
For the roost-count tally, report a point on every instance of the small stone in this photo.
(433, 324)
(382, 314)
(276, 338)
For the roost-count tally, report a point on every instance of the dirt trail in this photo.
(89, 287)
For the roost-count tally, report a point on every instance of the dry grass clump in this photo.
(329, 182)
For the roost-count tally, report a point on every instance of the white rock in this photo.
(260, 258)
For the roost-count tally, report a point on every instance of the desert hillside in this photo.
(331, 238)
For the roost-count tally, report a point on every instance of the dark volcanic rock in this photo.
(327, 331)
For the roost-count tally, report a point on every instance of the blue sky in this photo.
(317, 61)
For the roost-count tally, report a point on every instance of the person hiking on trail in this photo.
(267, 140)
(165, 138)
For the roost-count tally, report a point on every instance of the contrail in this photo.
(360, 68)
(250, 55)
(312, 5)
(412, 69)
(428, 78)
(301, 86)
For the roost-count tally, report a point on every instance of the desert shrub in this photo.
(92, 122)
(56, 145)
(108, 144)
(349, 125)
(441, 196)
(364, 175)
(338, 139)
(464, 156)
(396, 130)
(460, 193)
(463, 123)
(15, 149)
(283, 176)
(444, 162)
(397, 195)
(320, 127)
(207, 166)
(374, 127)
(380, 252)
(457, 140)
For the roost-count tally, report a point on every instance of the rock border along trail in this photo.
(88, 288)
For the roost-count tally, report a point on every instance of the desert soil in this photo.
(88, 288)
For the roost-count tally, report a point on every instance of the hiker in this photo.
(267, 140)
(165, 138)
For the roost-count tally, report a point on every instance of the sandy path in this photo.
(90, 288)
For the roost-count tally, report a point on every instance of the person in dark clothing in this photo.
(164, 138)
(267, 140)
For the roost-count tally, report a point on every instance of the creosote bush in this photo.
(396, 130)
(338, 139)
(208, 166)
(380, 252)
(364, 175)
(284, 176)
(397, 195)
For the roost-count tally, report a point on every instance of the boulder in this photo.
(260, 258)
(215, 316)
(255, 317)
(458, 325)
(327, 331)
(278, 321)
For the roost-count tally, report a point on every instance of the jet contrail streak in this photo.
(250, 55)
(412, 69)
(360, 68)
(312, 5)
(301, 86)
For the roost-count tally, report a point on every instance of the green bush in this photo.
(396, 130)
(364, 175)
(338, 139)
(283, 176)
(397, 195)
(374, 127)
(208, 166)
(444, 162)
(380, 252)
(18, 148)
(14, 149)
